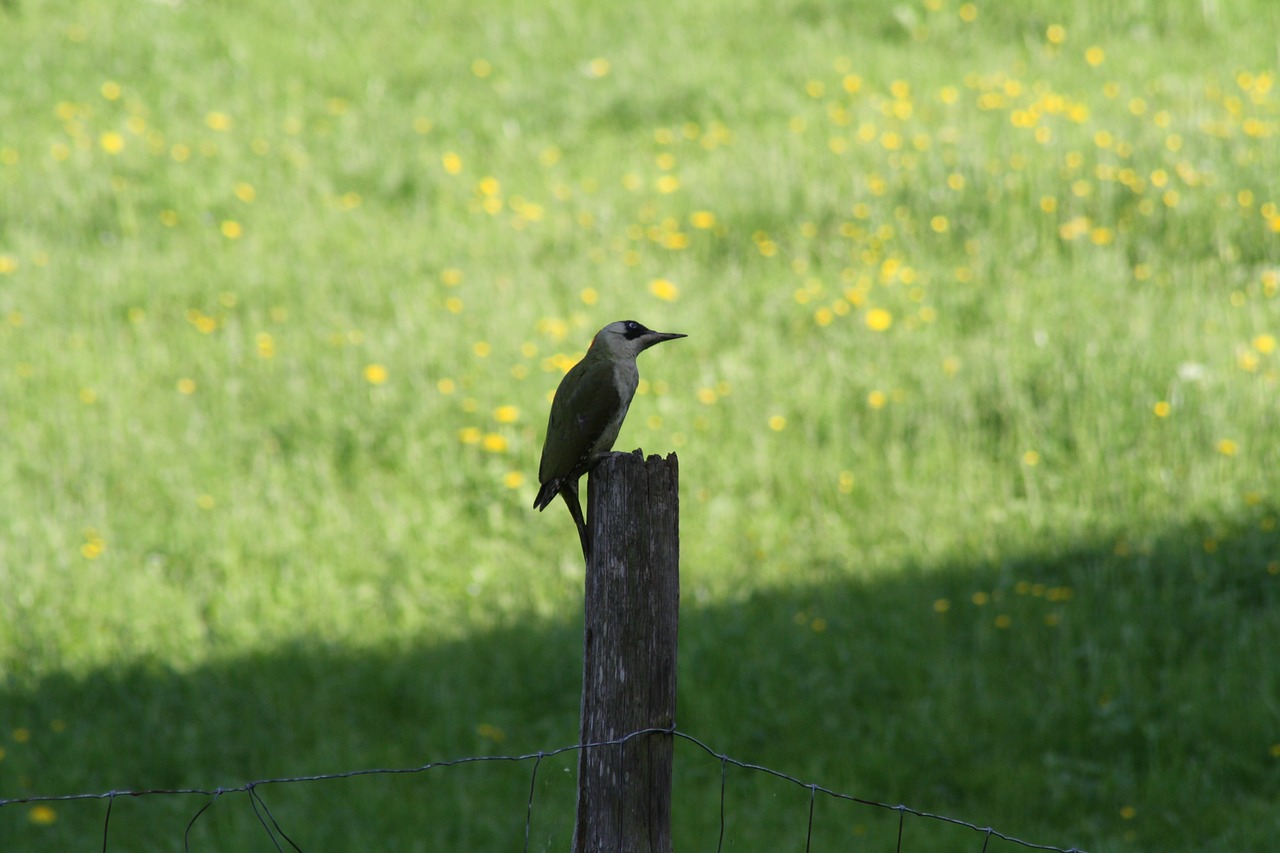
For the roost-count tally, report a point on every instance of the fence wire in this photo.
(280, 838)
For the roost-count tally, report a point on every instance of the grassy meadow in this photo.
(976, 418)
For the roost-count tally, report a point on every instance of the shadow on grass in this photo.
(1111, 697)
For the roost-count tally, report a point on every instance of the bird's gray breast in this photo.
(625, 379)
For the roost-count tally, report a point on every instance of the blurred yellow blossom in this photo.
(218, 121)
(879, 319)
(664, 290)
(42, 814)
(702, 219)
(111, 142)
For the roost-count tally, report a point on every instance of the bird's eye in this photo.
(632, 325)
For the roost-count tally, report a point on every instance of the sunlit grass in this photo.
(967, 286)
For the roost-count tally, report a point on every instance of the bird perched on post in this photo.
(587, 412)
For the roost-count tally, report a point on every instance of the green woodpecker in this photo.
(587, 412)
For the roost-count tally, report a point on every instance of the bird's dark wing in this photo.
(576, 423)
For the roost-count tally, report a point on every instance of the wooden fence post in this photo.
(629, 655)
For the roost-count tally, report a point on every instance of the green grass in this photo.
(976, 416)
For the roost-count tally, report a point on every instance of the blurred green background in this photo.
(976, 417)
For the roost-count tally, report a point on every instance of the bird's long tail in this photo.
(546, 495)
(570, 495)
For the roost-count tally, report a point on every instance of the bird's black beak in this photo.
(659, 337)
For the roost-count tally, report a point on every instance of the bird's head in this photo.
(627, 339)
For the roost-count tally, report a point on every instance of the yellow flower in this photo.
(451, 162)
(877, 399)
(598, 67)
(664, 290)
(111, 142)
(186, 386)
(506, 414)
(1031, 458)
(204, 323)
(469, 435)
(1095, 56)
(42, 815)
(1264, 344)
(92, 548)
(1227, 447)
(879, 319)
(494, 443)
(1161, 409)
(375, 374)
(513, 479)
(218, 121)
(702, 219)
(245, 192)
(1056, 34)
(231, 229)
(777, 423)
